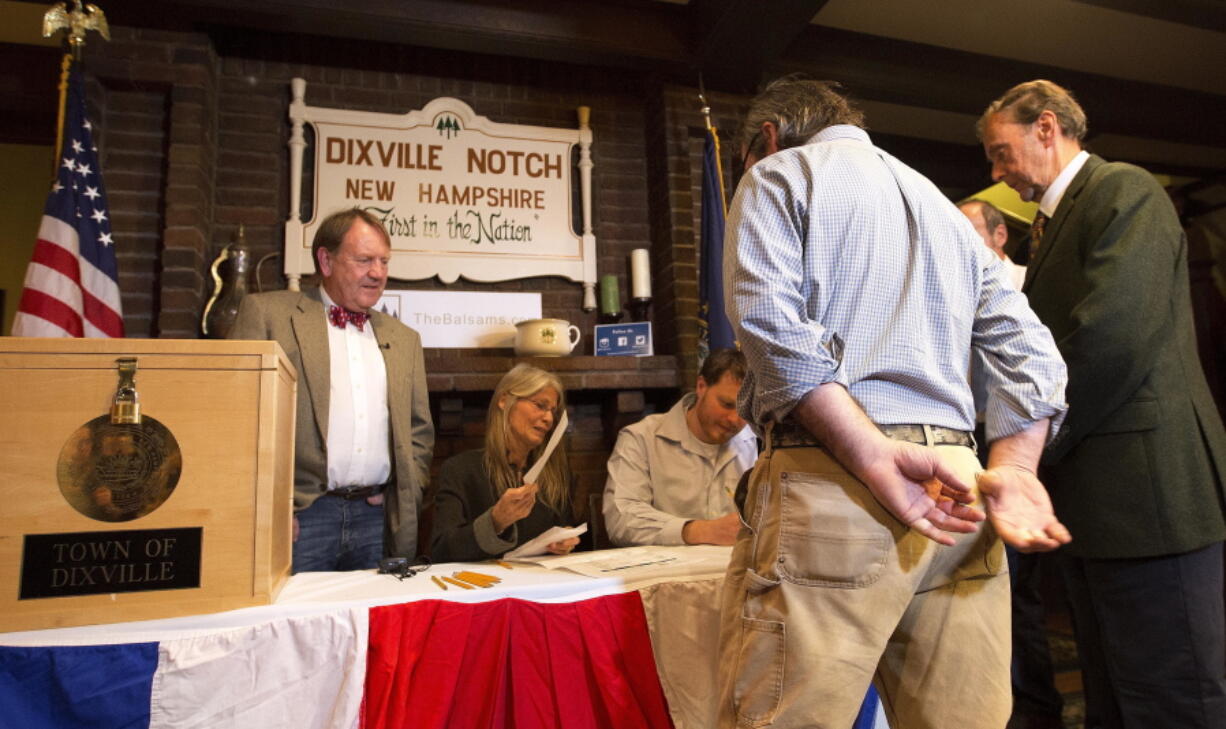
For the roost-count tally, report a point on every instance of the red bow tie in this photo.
(340, 317)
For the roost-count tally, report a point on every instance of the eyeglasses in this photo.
(749, 149)
(541, 405)
(402, 568)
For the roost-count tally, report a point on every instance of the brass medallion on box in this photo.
(121, 466)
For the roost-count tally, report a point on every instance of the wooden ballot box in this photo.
(188, 511)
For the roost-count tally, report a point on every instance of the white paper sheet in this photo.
(628, 563)
(538, 546)
(535, 472)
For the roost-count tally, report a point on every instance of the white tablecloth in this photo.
(241, 659)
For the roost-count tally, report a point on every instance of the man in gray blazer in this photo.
(364, 436)
(1137, 471)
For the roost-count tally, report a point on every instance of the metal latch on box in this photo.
(125, 408)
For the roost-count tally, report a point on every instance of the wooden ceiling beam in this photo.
(915, 74)
(735, 40)
(649, 35)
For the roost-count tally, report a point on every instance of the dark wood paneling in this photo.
(29, 76)
(736, 39)
(902, 72)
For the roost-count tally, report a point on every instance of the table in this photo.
(303, 661)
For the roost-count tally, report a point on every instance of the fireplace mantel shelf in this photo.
(452, 371)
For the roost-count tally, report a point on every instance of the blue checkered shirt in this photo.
(844, 265)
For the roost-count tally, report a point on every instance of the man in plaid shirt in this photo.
(858, 291)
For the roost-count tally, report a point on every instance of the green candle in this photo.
(610, 299)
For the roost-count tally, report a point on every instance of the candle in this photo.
(610, 297)
(640, 274)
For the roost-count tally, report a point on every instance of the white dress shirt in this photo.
(358, 443)
(1055, 191)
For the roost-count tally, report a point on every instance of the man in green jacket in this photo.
(1136, 473)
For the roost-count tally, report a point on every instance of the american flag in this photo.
(72, 286)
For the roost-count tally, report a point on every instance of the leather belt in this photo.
(791, 435)
(349, 493)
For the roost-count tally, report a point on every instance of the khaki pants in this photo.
(827, 591)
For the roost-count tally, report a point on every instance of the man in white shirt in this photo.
(364, 437)
(672, 475)
(990, 225)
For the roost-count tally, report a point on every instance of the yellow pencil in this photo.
(438, 582)
(457, 583)
(472, 580)
(477, 578)
(505, 564)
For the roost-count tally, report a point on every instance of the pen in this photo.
(639, 564)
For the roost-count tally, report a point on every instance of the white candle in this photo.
(640, 274)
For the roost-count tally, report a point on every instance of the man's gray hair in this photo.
(1025, 102)
(799, 108)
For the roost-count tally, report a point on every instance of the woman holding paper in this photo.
(484, 507)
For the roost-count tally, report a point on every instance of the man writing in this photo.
(671, 476)
(364, 436)
(858, 291)
(1137, 471)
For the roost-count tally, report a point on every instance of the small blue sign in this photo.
(623, 340)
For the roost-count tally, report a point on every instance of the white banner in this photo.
(459, 194)
(462, 319)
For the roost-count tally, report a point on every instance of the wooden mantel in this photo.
(462, 371)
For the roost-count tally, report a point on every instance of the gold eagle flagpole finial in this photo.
(77, 21)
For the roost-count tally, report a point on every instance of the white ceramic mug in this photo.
(545, 338)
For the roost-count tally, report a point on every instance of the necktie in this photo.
(1036, 234)
(340, 317)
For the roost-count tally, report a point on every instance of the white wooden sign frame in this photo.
(570, 255)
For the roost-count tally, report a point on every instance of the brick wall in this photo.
(156, 92)
(677, 132)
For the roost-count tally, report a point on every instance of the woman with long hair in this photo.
(483, 508)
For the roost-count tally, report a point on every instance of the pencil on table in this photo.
(438, 582)
(473, 579)
(457, 583)
(477, 578)
(505, 564)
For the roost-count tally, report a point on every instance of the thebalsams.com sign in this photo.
(460, 195)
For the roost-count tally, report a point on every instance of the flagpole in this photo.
(706, 116)
(65, 66)
(706, 108)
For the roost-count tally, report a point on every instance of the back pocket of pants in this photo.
(828, 536)
(759, 672)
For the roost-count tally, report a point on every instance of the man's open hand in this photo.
(1020, 509)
